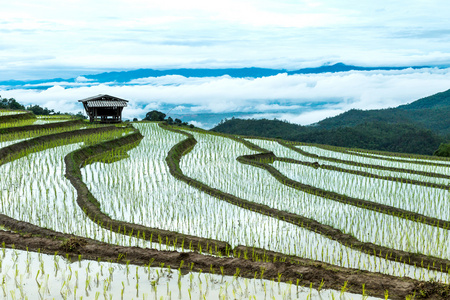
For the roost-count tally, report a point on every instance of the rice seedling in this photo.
(404, 157)
(17, 123)
(377, 161)
(15, 137)
(427, 201)
(213, 161)
(8, 112)
(134, 185)
(85, 280)
(281, 151)
(142, 178)
(52, 196)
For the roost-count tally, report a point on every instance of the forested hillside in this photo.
(419, 127)
(431, 112)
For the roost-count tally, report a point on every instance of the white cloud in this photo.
(48, 38)
(270, 107)
(197, 124)
(301, 99)
(303, 118)
(175, 80)
(83, 79)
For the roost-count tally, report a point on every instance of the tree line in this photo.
(12, 103)
(377, 135)
(155, 115)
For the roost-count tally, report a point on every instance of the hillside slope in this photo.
(430, 112)
(419, 127)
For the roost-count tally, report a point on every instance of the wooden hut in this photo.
(104, 108)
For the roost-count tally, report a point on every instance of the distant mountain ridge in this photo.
(418, 127)
(232, 72)
(253, 72)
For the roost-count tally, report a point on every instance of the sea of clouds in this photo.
(302, 99)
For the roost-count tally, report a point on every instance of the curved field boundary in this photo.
(358, 153)
(361, 152)
(91, 206)
(28, 229)
(286, 269)
(299, 272)
(275, 266)
(414, 259)
(16, 117)
(362, 173)
(259, 263)
(404, 155)
(341, 149)
(291, 146)
(335, 168)
(15, 151)
(262, 161)
(10, 130)
(353, 150)
(352, 163)
(417, 162)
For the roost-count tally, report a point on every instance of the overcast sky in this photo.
(48, 39)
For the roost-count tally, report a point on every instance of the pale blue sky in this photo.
(47, 37)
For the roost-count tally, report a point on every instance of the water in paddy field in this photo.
(30, 275)
(48, 121)
(159, 200)
(9, 112)
(56, 278)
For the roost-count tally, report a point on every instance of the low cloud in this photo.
(302, 99)
(275, 107)
(196, 124)
(302, 118)
(83, 79)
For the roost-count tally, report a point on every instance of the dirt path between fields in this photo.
(261, 263)
(363, 165)
(414, 259)
(306, 271)
(87, 202)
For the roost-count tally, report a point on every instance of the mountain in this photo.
(126, 76)
(430, 112)
(419, 127)
(340, 67)
(123, 77)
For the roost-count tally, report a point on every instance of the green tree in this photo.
(155, 115)
(10, 103)
(40, 111)
(80, 115)
(443, 150)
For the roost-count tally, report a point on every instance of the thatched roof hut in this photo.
(104, 108)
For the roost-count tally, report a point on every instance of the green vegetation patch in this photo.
(443, 150)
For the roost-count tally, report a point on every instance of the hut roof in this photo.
(104, 100)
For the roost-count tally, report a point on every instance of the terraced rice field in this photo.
(8, 112)
(148, 211)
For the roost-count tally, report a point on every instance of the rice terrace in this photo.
(148, 210)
